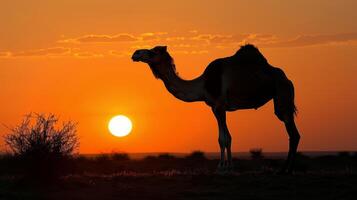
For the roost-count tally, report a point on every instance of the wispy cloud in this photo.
(122, 37)
(101, 39)
(235, 39)
(220, 38)
(116, 53)
(152, 36)
(4, 54)
(175, 38)
(87, 54)
(190, 52)
(312, 40)
(192, 42)
(194, 37)
(269, 40)
(53, 51)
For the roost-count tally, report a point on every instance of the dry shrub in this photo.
(197, 155)
(256, 153)
(42, 144)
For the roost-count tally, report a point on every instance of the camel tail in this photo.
(289, 98)
(294, 108)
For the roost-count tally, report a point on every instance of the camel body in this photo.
(231, 92)
(236, 85)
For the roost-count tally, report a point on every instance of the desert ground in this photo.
(169, 185)
(168, 177)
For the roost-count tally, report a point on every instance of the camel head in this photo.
(150, 56)
(158, 59)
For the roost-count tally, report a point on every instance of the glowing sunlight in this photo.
(120, 126)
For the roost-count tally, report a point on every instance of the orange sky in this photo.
(72, 58)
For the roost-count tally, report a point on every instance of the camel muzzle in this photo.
(136, 56)
(141, 55)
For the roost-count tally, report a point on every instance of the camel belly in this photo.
(244, 91)
(236, 99)
(232, 103)
(253, 103)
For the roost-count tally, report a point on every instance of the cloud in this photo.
(190, 38)
(228, 38)
(53, 51)
(5, 54)
(190, 52)
(184, 45)
(202, 37)
(149, 36)
(232, 39)
(124, 37)
(87, 54)
(152, 36)
(269, 40)
(312, 40)
(175, 38)
(116, 53)
(192, 42)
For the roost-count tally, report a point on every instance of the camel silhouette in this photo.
(242, 81)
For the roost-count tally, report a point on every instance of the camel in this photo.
(244, 80)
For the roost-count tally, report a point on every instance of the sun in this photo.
(120, 126)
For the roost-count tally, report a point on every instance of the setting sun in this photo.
(120, 126)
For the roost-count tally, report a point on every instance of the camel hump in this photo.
(249, 54)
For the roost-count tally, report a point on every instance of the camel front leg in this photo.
(224, 139)
(229, 152)
(219, 114)
(221, 141)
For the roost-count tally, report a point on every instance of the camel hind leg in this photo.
(294, 138)
(285, 110)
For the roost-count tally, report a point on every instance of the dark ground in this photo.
(165, 177)
(198, 186)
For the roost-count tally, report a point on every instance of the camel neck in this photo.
(185, 90)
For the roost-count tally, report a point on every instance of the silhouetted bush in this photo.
(103, 157)
(165, 156)
(256, 153)
(150, 158)
(345, 157)
(196, 155)
(354, 155)
(300, 155)
(343, 154)
(42, 145)
(120, 156)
